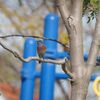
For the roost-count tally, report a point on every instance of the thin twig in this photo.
(59, 61)
(39, 37)
(66, 71)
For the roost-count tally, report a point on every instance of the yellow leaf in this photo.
(64, 38)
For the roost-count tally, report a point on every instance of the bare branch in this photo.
(66, 71)
(59, 61)
(61, 5)
(39, 37)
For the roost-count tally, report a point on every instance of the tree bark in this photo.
(79, 90)
(81, 70)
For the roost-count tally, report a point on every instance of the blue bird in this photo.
(41, 49)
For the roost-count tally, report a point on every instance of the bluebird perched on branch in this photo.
(41, 49)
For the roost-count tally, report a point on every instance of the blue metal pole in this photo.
(48, 70)
(28, 71)
(58, 75)
(62, 55)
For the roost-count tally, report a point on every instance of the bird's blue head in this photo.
(39, 42)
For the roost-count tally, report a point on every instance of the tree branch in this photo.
(66, 71)
(38, 37)
(30, 58)
(61, 5)
(95, 44)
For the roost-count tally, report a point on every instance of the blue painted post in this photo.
(48, 70)
(58, 75)
(28, 71)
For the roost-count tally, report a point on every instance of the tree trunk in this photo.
(80, 69)
(79, 89)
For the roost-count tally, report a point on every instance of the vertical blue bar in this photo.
(48, 70)
(28, 71)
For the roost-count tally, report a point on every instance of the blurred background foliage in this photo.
(91, 7)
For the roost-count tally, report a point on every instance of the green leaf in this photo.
(90, 6)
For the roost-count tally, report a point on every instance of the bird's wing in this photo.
(41, 50)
